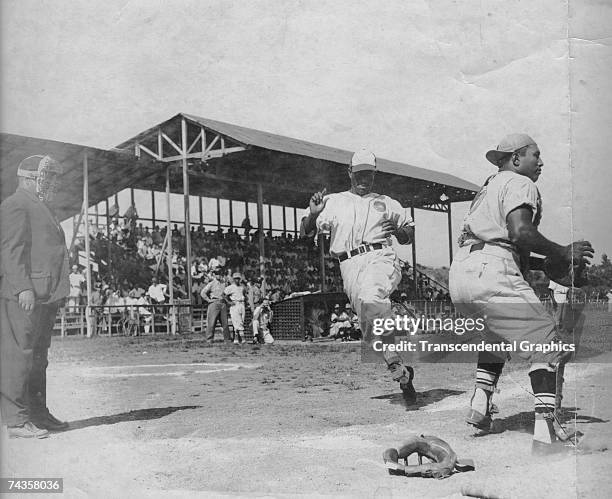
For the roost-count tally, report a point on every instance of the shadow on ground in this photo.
(137, 415)
(423, 398)
(523, 421)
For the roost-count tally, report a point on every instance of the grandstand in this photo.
(202, 159)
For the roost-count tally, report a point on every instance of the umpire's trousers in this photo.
(217, 308)
(24, 344)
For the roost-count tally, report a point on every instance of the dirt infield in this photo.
(168, 417)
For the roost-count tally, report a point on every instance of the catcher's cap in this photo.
(509, 144)
(363, 160)
(32, 166)
(236, 275)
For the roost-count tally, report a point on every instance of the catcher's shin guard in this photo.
(481, 403)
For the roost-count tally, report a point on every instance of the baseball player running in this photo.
(486, 279)
(361, 224)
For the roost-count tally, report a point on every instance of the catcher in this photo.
(487, 279)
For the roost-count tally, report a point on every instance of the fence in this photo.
(291, 317)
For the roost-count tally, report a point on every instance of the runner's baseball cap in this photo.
(363, 160)
(509, 144)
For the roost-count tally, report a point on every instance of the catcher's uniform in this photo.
(369, 265)
(486, 274)
(262, 317)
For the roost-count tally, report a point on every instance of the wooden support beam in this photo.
(171, 142)
(169, 258)
(414, 256)
(201, 206)
(187, 208)
(88, 312)
(450, 233)
(260, 227)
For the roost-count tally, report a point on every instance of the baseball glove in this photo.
(564, 273)
(443, 459)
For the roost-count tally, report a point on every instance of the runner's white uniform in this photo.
(371, 277)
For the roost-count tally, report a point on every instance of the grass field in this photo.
(173, 417)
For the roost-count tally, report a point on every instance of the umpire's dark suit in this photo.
(33, 256)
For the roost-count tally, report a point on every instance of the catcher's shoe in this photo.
(479, 420)
(555, 447)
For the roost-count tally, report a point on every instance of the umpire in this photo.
(33, 283)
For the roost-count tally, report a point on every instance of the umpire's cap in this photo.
(509, 144)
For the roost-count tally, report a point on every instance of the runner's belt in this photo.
(364, 248)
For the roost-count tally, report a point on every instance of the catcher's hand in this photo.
(579, 253)
(568, 268)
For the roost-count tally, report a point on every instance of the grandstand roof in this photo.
(225, 161)
(109, 171)
(289, 169)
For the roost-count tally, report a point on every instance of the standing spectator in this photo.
(236, 293)
(96, 301)
(34, 270)
(609, 297)
(212, 293)
(76, 289)
(157, 294)
(246, 225)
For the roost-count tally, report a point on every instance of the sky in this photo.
(431, 83)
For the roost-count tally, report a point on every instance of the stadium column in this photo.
(109, 264)
(295, 222)
(260, 229)
(169, 255)
(414, 263)
(201, 211)
(88, 314)
(450, 233)
(186, 203)
(270, 218)
(231, 215)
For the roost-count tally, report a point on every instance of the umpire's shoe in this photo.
(27, 430)
(50, 422)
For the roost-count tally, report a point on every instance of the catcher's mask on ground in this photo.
(45, 171)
